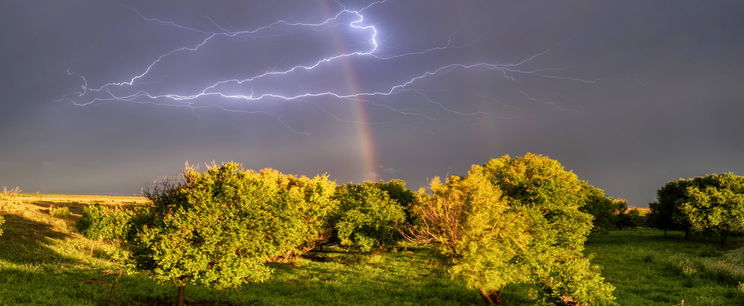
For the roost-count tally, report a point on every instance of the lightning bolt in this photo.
(353, 19)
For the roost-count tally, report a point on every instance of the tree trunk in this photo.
(486, 297)
(724, 235)
(687, 234)
(496, 296)
(492, 297)
(181, 295)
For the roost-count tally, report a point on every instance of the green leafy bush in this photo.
(514, 221)
(716, 203)
(59, 212)
(102, 222)
(708, 204)
(366, 217)
(218, 228)
(397, 191)
(307, 204)
(604, 209)
(630, 218)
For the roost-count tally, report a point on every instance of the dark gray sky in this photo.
(628, 94)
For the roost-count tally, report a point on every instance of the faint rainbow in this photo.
(363, 131)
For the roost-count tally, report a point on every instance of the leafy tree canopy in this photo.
(367, 216)
(218, 228)
(514, 221)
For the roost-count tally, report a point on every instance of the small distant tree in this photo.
(366, 217)
(514, 221)
(218, 228)
(716, 204)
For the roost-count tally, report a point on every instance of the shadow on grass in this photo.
(28, 242)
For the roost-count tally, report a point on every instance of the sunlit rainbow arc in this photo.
(367, 150)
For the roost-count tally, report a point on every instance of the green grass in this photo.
(44, 262)
(648, 269)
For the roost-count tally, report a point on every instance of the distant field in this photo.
(43, 261)
(84, 199)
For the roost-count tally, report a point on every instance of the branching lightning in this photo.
(353, 19)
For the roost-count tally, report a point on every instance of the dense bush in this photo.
(366, 217)
(218, 228)
(708, 204)
(514, 221)
(665, 212)
(604, 210)
(631, 218)
(102, 222)
(307, 205)
(59, 212)
(397, 190)
(716, 204)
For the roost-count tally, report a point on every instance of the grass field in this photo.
(43, 261)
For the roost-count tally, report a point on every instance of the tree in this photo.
(468, 221)
(604, 210)
(309, 204)
(366, 217)
(665, 212)
(513, 221)
(716, 204)
(218, 228)
(397, 191)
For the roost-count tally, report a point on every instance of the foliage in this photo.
(101, 222)
(1, 225)
(59, 212)
(606, 211)
(631, 218)
(514, 221)
(470, 222)
(218, 228)
(306, 207)
(366, 217)
(397, 190)
(41, 264)
(665, 212)
(716, 204)
(708, 204)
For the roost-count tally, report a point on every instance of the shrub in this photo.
(716, 203)
(603, 209)
(708, 204)
(218, 228)
(366, 217)
(59, 212)
(397, 191)
(307, 205)
(514, 221)
(630, 218)
(101, 222)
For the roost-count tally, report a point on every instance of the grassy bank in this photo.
(43, 261)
